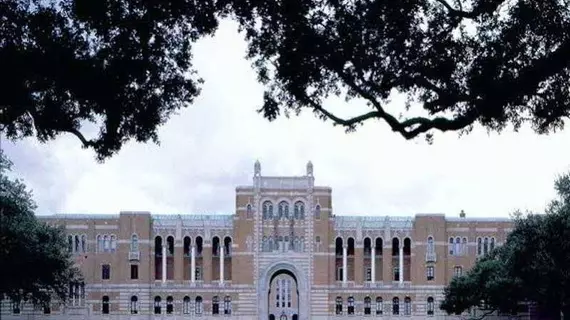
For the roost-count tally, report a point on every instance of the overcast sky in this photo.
(210, 148)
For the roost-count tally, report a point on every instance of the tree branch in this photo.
(477, 11)
(86, 143)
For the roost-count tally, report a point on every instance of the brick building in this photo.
(282, 254)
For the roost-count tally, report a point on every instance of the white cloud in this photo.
(211, 146)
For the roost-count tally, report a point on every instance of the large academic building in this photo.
(283, 254)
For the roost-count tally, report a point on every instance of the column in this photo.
(221, 264)
(344, 263)
(373, 265)
(401, 258)
(193, 263)
(163, 264)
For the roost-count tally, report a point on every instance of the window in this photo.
(215, 305)
(134, 271)
(430, 245)
(105, 306)
(395, 306)
(299, 210)
(113, 243)
(486, 245)
(350, 305)
(77, 244)
(457, 271)
(248, 212)
(157, 309)
(338, 307)
(83, 243)
(283, 210)
(367, 305)
(465, 248)
(339, 274)
(134, 243)
(430, 273)
(479, 247)
(198, 273)
(396, 273)
(70, 243)
(407, 306)
(169, 305)
(227, 305)
(199, 307)
(134, 305)
(186, 305)
(318, 212)
(100, 246)
(106, 271)
(368, 274)
(379, 307)
(106, 244)
(430, 306)
(451, 247)
(16, 307)
(267, 210)
(492, 245)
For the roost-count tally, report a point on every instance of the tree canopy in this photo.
(126, 64)
(532, 266)
(36, 264)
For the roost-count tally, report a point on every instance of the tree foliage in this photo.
(492, 62)
(36, 264)
(532, 266)
(126, 64)
(123, 65)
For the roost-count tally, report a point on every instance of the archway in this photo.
(299, 288)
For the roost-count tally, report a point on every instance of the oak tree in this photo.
(36, 262)
(533, 266)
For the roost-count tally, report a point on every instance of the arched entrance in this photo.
(286, 279)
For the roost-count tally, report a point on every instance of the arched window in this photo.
(186, 246)
(367, 305)
(76, 247)
(134, 243)
(407, 306)
(113, 243)
(486, 245)
(83, 243)
(396, 306)
(267, 210)
(169, 305)
(479, 247)
(379, 307)
(170, 245)
(215, 305)
(186, 305)
(227, 305)
(227, 246)
(105, 305)
(451, 247)
(271, 245)
(302, 244)
(283, 212)
(264, 244)
(430, 306)
(465, 249)
(199, 307)
(492, 244)
(350, 305)
(100, 246)
(338, 307)
(248, 212)
(134, 305)
(318, 212)
(106, 243)
(430, 245)
(299, 210)
(458, 246)
(157, 309)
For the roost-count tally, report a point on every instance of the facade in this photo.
(282, 254)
